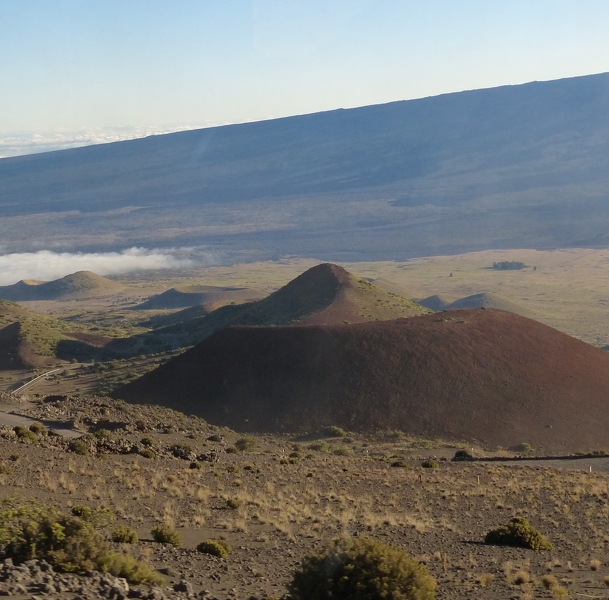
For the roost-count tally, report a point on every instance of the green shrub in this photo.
(147, 441)
(166, 535)
(39, 429)
(78, 446)
(362, 569)
(430, 464)
(520, 533)
(98, 517)
(334, 431)
(234, 503)
(125, 535)
(69, 543)
(524, 448)
(319, 446)
(243, 444)
(343, 451)
(25, 435)
(124, 565)
(104, 434)
(218, 548)
(148, 453)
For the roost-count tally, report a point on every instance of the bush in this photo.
(147, 441)
(430, 464)
(166, 535)
(69, 543)
(104, 434)
(362, 569)
(98, 517)
(125, 535)
(334, 431)
(519, 533)
(234, 503)
(148, 453)
(243, 444)
(218, 548)
(25, 435)
(38, 429)
(462, 455)
(78, 446)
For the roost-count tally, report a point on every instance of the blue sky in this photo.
(110, 69)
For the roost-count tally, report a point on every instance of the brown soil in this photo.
(477, 375)
(291, 498)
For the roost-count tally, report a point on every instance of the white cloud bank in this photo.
(47, 265)
(28, 142)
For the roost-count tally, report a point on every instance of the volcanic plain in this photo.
(336, 450)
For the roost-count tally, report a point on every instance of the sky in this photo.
(74, 72)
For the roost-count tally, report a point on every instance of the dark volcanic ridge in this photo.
(82, 284)
(485, 376)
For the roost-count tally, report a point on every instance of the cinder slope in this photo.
(82, 284)
(488, 376)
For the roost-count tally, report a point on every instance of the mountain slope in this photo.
(453, 173)
(479, 375)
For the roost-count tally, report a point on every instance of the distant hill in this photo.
(484, 376)
(82, 284)
(436, 303)
(524, 166)
(489, 300)
(325, 294)
(187, 296)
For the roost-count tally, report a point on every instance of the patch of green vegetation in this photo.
(362, 569)
(519, 533)
(245, 444)
(334, 431)
(42, 334)
(125, 535)
(69, 543)
(166, 535)
(218, 548)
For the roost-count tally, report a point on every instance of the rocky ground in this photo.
(276, 499)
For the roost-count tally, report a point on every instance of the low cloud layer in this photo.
(27, 142)
(47, 266)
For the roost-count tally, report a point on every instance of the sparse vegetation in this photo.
(70, 544)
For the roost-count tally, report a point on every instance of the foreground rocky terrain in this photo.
(276, 499)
